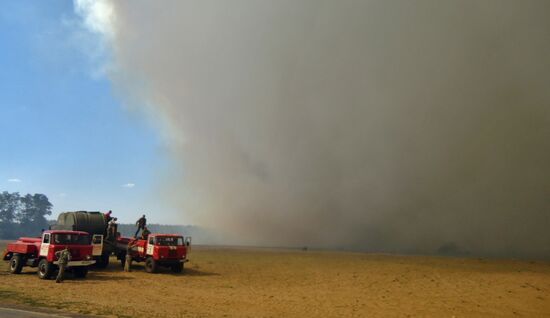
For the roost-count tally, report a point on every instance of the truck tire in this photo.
(103, 260)
(45, 269)
(16, 264)
(80, 271)
(150, 265)
(177, 268)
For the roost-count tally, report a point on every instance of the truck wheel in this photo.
(16, 264)
(150, 265)
(103, 261)
(45, 269)
(177, 268)
(80, 272)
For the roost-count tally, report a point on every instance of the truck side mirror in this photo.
(187, 240)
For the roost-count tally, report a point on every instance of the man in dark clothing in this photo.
(141, 223)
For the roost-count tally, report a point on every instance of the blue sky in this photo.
(63, 132)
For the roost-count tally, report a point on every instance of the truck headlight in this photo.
(88, 257)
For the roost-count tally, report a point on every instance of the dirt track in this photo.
(225, 282)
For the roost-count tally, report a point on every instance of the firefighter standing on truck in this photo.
(112, 228)
(141, 223)
(63, 257)
(145, 233)
(107, 217)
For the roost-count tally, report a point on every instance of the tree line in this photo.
(23, 215)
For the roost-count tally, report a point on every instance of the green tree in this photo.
(32, 213)
(9, 206)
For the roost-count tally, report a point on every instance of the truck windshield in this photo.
(169, 240)
(74, 239)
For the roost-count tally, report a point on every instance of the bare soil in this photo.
(240, 282)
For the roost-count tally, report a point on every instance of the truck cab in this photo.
(162, 250)
(40, 252)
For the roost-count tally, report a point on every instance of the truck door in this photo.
(150, 245)
(97, 243)
(45, 245)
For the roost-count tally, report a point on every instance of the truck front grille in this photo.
(75, 255)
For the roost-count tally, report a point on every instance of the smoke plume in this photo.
(396, 126)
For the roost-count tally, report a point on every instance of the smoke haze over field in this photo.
(381, 125)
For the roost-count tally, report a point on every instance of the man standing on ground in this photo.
(63, 257)
(128, 262)
(141, 223)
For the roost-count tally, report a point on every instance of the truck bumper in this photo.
(78, 263)
(171, 262)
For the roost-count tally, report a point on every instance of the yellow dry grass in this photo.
(238, 282)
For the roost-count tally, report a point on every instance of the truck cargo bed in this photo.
(23, 247)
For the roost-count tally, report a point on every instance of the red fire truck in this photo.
(161, 250)
(40, 252)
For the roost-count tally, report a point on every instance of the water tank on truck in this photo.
(93, 223)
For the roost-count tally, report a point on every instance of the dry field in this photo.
(236, 282)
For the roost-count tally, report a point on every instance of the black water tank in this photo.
(91, 222)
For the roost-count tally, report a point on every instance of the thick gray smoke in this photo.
(379, 125)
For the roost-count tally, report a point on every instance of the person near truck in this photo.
(63, 258)
(128, 259)
(145, 233)
(107, 216)
(112, 228)
(141, 224)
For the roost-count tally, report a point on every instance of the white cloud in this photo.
(14, 180)
(93, 33)
(97, 15)
(129, 185)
